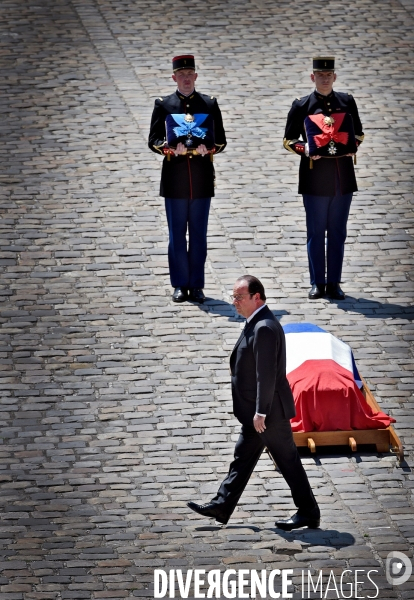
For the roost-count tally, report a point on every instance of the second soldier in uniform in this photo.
(327, 184)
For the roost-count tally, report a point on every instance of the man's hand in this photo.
(259, 423)
(181, 149)
(202, 150)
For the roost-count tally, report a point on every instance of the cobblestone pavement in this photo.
(115, 403)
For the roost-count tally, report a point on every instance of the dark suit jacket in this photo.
(321, 179)
(258, 368)
(186, 176)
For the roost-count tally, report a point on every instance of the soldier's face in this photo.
(323, 81)
(185, 80)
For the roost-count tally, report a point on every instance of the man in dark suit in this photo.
(264, 405)
(187, 177)
(326, 183)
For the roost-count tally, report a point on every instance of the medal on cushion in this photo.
(332, 148)
(189, 141)
(189, 119)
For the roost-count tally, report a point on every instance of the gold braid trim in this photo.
(286, 145)
(158, 148)
(360, 137)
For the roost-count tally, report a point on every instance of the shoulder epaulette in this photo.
(212, 97)
(162, 99)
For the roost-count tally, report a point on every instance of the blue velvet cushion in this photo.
(190, 130)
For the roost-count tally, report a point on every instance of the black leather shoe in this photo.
(297, 521)
(180, 295)
(209, 510)
(196, 295)
(317, 291)
(334, 291)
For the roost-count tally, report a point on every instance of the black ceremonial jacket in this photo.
(186, 176)
(320, 180)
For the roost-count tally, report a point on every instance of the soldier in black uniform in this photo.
(327, 184)
(187, 178)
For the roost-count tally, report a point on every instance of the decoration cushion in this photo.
(190, 130)
(331, 136)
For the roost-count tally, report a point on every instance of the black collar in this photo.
(262, 314)
(182, 97)
(322, 97)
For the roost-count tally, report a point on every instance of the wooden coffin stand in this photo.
(385, 440)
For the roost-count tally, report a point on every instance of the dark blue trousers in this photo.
(326, 214)
(186, 261)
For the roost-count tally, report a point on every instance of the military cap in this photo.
(183, 62)
(323, 63)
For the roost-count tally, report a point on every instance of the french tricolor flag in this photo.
(325, 382)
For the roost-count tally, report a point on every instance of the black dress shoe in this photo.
(317, 291)
(209, 510)
(334, 291)
(297, 521)
(196, 295)
(180, 295)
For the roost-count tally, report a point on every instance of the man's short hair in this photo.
(254, 285)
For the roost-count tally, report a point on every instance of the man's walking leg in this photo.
(247, 452)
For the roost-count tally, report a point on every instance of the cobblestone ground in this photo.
(115, 402)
